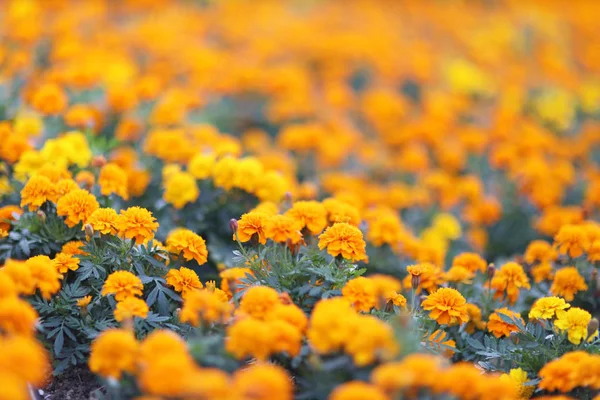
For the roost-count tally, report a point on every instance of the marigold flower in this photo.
(250, 337)
(519, 377)
(36, 192)
(362, 293)
(204, 306)
(475, 320)
(181, 189)
(122, 284)
(84, 301)
(250, 224)
(357, 390)
(345, 240)
(50, 99)
(447, 306)
(183, 280)
(18, 351)
(130, 307)
(291, 314)
(572, 240)
(509, 279)
(548, 308)
(332, 322)
(200, 166)
(113, 179)
(230, 279)
(44, 274)
(137, 223)
(542, 272)
(373, 339)
(471, 261)
(457, 380)
(62, 188)
(259, 301)
(113, 353)
(570, 371)
(540, 251)
(498, 327)
(311, 215)
(262, 382)
(104, 220)
(65, 262)
(7, 216)
(20, 276)
(385, 228)
(161, 343)
(339, 211)
(190, 245)
(281, 229)
(567, 282)
(459, 274)
(17, 317)
(76, 206)
(575, 322)
(73, 248)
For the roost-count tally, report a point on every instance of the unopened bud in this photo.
(594, 274)
(41, 215)
(415, 281)
(514, 337)
(285, 298)
(89, 230)
(98, 161)
(288, 197)
(592, 327)
(491, 270)
(233, 225)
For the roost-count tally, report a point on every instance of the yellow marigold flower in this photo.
(65, 262)
(475, 321)
(418, 269)
(201, 165)
(113, 179)
(112, 353)
(259, 301)
(183, 280)
(345, 240)
(362, 293)
(36, 192)
(385, 228)
(373, 339)
(575, 322)
(17, 317)
(332, 322)
(567, 282)
(510, 278)
(63, 187)
(122, 284)
(181, 189)
(224, 172)
(357, 390)
(498, 327)
(262, 382)
(281, 229)
(84, 301)
(447, 306)
(104, 220)
(76, 206)
(311, 215)
(519, 377)
(267, 207)
(548, 308)
(250, 224)
(130, 307)
(73, 248)
(540, 251)
(471, 261)
(169, 376)
(204, 306)
(459, 274)
(137, 223)
(572, 240)
(19, 351)
(447, 225)
(209, 383)
(44, 274)
(190, 245)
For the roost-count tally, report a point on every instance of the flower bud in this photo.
(288, 197)
(592, 327)
(233, 225)
(41, 215)
(491, 270)
(415, 281)
(89, 230)
(98, 161)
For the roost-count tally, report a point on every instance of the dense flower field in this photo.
(272, 200)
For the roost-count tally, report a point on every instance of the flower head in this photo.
(567, 282)
(181, 189)
(548, 308)
(44, 274)
(76, 206)
(262, 382)
(113, 179)
(37, 191)
(65, 262)
(130, 307)
(84, 301)
(357, 390)
(311, 215)
(104, 220)
(122, 284)
(259, 301)
(575, 322)
(250, 224)
(447, 306)
(204, 306)
(362, 293)
(509, 279)
(183, 280)
(113, 352)
(190, 245)
(17, 317)
(282, 228)
(498, 326)
(345, 240)
(572, 240)
(136, 223)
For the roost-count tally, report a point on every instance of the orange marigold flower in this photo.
(281, 229)
(37, 191)
(190, 245)
(65, 262)
(542, 272)
(345, 240)
(104, 220)
(471, 261)
(204, 306)
(567, 282)
(510, 278)
(498, 327)
(8, 214)
(130, 307)
(137, 223)
(332, 322)
(338, 211)
(259, 301)
(73, 248)
(459, 274)
(568, 372)
(85, 179)
(84, 301)
(572, 240)
(540, 251)
(357, 390)
(475, 321)
(362, 293)
(447, 306)
(77, 206)
(250, 224)
(183, 280)
(122, 284)
(44, 274)
(20, 276)
(17, 317)
(311, 215)
(50, 99)
(18, 351)
(62, 188)
(181, 189)
(113, 179)
(112, 353)
(373, 339)
(262, 382)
